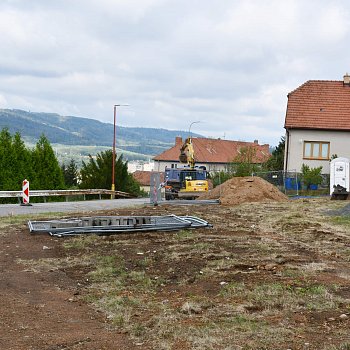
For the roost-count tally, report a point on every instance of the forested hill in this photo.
(70, 130)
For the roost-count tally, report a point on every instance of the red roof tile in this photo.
(319, 104)
(215, 151)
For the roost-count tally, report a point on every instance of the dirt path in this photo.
(41, 311)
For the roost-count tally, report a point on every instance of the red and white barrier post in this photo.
(25, 192)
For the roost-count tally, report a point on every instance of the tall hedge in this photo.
(38, 165)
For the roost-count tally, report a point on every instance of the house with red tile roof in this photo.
(214, 154)
(317, 124)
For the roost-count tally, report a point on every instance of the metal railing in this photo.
(65, 193)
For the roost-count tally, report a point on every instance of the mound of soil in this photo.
(245, 190)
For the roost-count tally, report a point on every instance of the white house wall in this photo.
(140, 166)
(339, 145)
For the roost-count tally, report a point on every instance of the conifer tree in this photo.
(276, 160)
(97, 173)
(15, 161)
(70, 173)
(6, 161)
(22, 166)
(48, 174)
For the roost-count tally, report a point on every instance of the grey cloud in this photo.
(230, 64)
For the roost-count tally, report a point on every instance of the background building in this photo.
(214, 154)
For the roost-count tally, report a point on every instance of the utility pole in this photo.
(113, 151)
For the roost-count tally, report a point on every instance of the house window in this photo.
(316, 150)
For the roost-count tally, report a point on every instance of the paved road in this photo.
(59, 207)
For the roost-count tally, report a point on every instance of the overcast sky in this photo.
(228, 64)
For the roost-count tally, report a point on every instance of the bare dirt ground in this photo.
(270, 275)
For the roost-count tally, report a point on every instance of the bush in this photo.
(311, 176)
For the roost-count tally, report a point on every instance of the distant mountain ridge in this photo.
(71, 130)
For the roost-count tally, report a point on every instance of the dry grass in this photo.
(54, 264)
(11, 220)
(268, 276)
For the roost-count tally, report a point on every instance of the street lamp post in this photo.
(189, 130)
(113, 152)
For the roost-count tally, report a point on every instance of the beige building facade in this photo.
(298, 150)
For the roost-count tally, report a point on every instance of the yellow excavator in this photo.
(187, 182)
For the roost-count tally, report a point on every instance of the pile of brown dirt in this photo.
(245, 190)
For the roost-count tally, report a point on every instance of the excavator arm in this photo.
(187, 153)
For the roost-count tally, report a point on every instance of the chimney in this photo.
(178, 141)
(346, 79)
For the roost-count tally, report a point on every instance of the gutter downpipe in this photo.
(286, 158)
(287, 151)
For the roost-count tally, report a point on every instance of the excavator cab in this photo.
(185, 183)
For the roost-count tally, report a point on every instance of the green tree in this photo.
(311, 176)
(276, 161)
(243, 164)
(47, 172)
(220, 177)
(70, 173)
(15, 161)
(6, 160)
(97, 173)
(22, 166)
